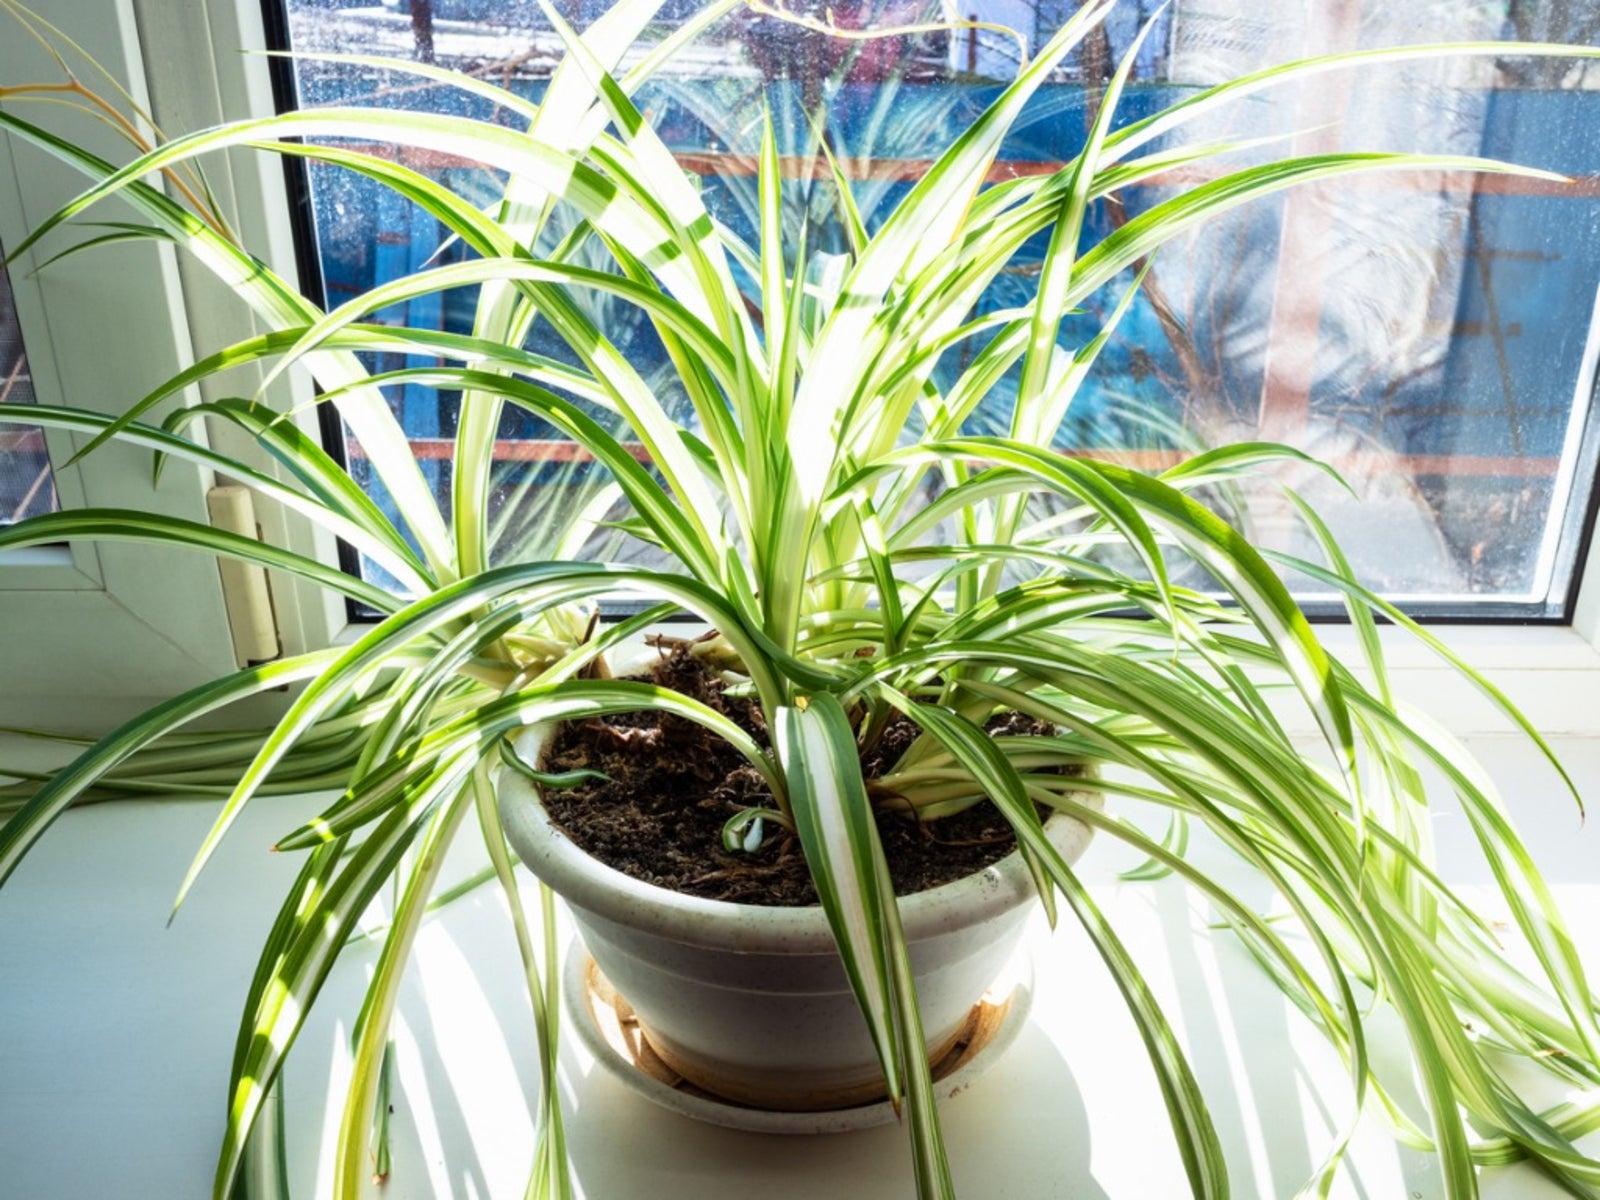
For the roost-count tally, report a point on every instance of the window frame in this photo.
(108, 626)
(203, 73)
(111, 628)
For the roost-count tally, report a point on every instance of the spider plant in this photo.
(848, 576)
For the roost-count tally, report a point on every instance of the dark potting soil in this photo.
(672, 785)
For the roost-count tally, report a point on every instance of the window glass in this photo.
(27, 487)
(1428, 333)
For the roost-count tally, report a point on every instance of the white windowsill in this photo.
(115, 1036)
(1551, 672)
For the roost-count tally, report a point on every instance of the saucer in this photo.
(606, 1025)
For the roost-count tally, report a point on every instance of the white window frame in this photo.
(186, 58)
(105, 623)
(91, 634)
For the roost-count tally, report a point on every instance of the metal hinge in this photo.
(244, 585)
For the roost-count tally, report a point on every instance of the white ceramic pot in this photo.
(750, 1002)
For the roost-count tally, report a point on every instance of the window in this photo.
(1427, 333)
(1430, 335)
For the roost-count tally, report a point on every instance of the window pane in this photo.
(27, 487)
(1424, 332)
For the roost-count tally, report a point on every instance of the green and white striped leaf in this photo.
(828, 799)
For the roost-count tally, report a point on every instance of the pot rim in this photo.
(589, 884)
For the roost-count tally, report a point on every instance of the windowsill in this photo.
(116, 1032)
(1551, 672)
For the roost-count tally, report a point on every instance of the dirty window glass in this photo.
(1427, 334)
(27, 487)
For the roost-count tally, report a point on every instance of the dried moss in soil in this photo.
(672, 785)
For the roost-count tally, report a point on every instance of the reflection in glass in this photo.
(27, 487)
